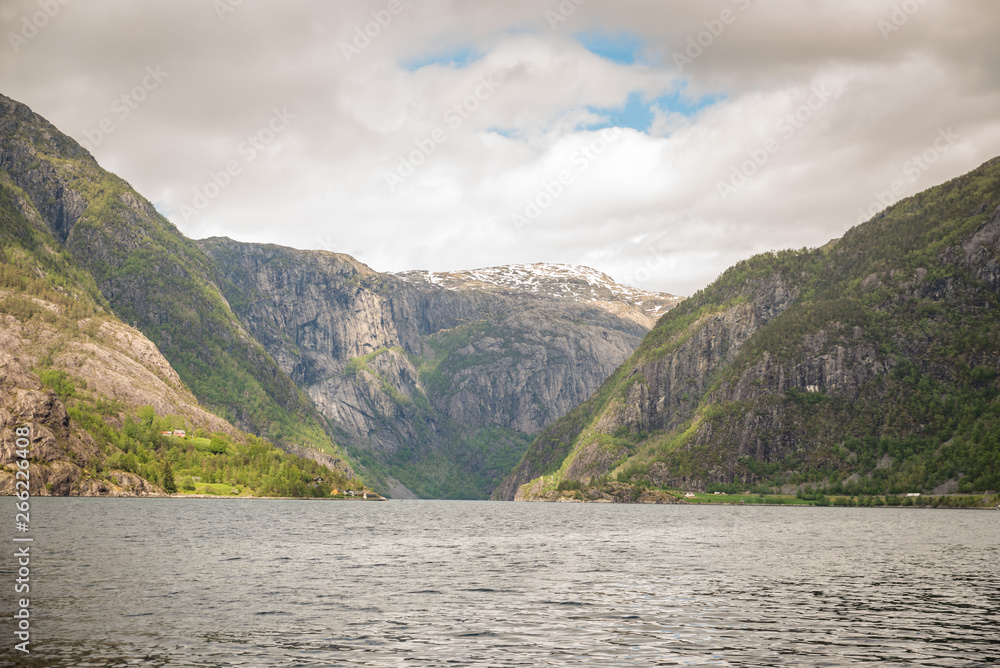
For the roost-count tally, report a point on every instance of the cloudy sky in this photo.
(658, 141)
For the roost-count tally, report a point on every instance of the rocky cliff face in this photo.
(150, 275)
(555, 283)
(51, 318)
(416, 373)
(60, 450)
(315, 312)
(855, 366)
(434, 381)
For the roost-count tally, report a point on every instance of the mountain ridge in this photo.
(95, 393)
(577, 283)
(150, 275)
(418, 379)
(433, 389)
(868, 365)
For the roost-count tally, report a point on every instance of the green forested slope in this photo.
(870, 365)
(155, 278)
(81, 380)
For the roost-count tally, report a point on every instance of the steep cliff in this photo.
(434, 386)
(869, 366)
(433, 382)
(79, 380)
(152, 276)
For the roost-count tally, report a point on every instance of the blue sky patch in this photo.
(509, 133)
(622, 48)
(680, 102)
(460, 56)
(638, 112)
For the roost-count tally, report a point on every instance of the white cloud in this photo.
(647, 209)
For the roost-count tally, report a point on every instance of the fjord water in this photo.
(168, 582)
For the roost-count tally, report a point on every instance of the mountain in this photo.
(430, 384)
(557, 282)
(156, 279)
(96, 394)
(434, 382)
(868, 366)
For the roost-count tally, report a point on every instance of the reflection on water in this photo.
(167, 582)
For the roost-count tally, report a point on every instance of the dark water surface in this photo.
(170, 582)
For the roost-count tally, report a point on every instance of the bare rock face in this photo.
(110, 359)
(61, 204)
(658, 401)
(416, 360)
(982, 251)
(59, 450)
(813, 365)
(555, 283)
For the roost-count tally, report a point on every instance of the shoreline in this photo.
(270, 498)
(553, 501)
(755, 505)
(199, 496)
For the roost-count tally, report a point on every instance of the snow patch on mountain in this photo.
(551, 281)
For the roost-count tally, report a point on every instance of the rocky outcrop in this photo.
(981, 252)
(811, 366)
(25, 136)
(111, 360)
(410, 365)
(667, 387)
(153, 277)
(59, 450)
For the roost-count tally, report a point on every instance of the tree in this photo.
(167, 479)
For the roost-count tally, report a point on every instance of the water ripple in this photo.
(191, 583)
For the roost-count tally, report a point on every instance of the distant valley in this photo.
(419, 384)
